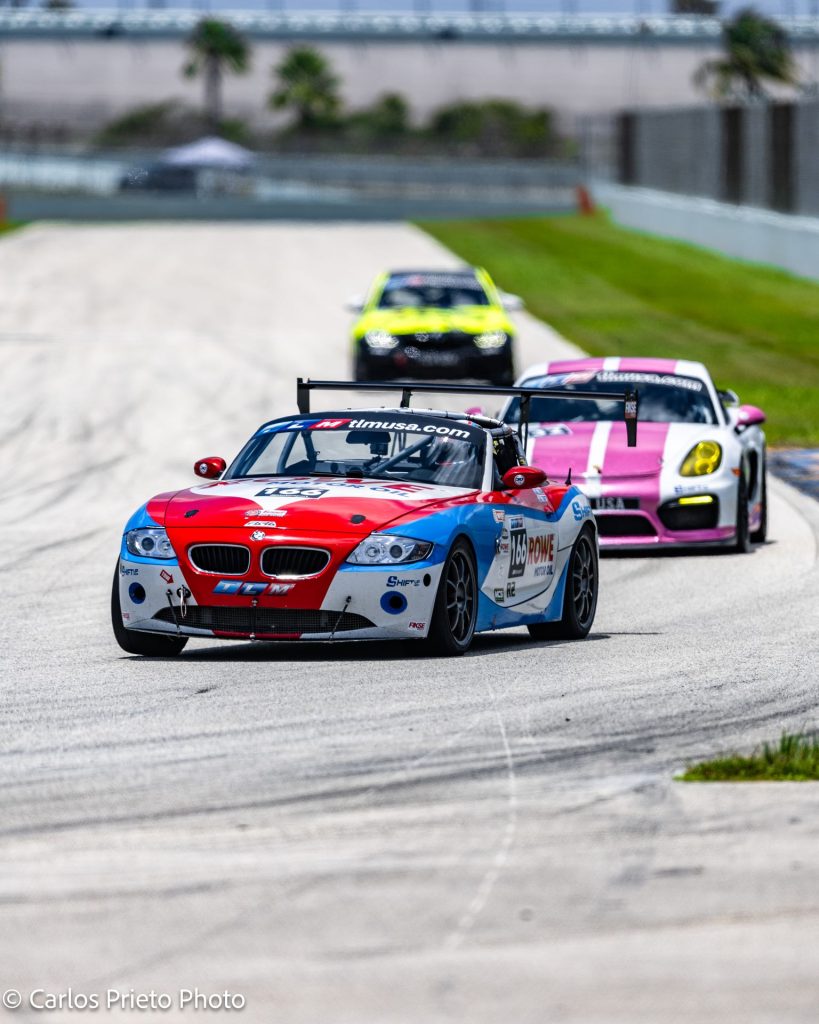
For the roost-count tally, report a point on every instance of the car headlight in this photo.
(492, 339)
(385, 549)
(703, 459)
(380, 340)
(151, 542)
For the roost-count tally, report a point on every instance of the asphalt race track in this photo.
(346, 834)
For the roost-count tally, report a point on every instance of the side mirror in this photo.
(475, 410)
(729, 398)
(748, 416)
(210, 468)
(522, 478)
(355, 304)
(511, 303)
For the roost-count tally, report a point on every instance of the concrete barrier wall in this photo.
(749, 233)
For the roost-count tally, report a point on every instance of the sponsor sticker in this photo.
(395, 581)
(285, 491)
(541, 554)
(498, 515)
(581, 512)
(500, 596)
(263, 513)
(252, 589)
(420, 626)
(637, 377)
(126, 570)
(412, 427)
(556, 430)
(167, 576)
(517, 561)
(510, 589)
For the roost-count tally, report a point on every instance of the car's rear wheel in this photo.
(580, 596)
(362, 371)
(456, 603)
(149, 645)
(742, 544)
(760, 534)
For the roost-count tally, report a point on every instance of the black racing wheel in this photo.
(760, 534)
(742, 544)
(580, 596)
(456, 604)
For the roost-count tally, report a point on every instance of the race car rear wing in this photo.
(629, 397)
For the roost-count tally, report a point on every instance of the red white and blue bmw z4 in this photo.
(360, 524)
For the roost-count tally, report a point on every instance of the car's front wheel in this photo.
(149, 645)
(580, 596)
(743, 543)
(456, 603)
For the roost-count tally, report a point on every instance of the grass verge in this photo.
(619, 292)
(10, 225)
(793, 759)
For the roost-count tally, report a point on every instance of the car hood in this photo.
(279, 505)
(469, 319)
(600, 449)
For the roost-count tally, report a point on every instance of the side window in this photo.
(507, 454)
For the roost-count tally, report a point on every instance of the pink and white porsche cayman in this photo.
(698, 477)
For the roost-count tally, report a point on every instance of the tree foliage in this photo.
(307, 86)
(756, 51)
(216, 47)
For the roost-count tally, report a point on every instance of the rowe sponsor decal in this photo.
(541, 554)
(252, 589)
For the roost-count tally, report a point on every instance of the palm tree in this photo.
(307, 85)
(756, 49)
(216, 46)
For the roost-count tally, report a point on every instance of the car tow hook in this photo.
(172, 606)
(183, 594)
(347, 601)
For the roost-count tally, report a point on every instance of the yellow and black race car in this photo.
(434, 324)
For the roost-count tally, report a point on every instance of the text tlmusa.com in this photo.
(190, 999)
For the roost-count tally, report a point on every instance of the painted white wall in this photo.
(99, 78)
(760, 236)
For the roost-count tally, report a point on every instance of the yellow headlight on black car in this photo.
(703, 459)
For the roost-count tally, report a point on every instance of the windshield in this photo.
(664, 398)
(435, 291)
(379, 446)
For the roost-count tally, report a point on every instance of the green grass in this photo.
(619, 292)
(10, 225)
(793, 759)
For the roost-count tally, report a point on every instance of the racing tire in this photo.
(455, 611)
(760, 534)
(580, 596)
(742, 543)
(361, 373)
(149, 645)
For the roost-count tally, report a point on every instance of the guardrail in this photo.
(487, 27)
